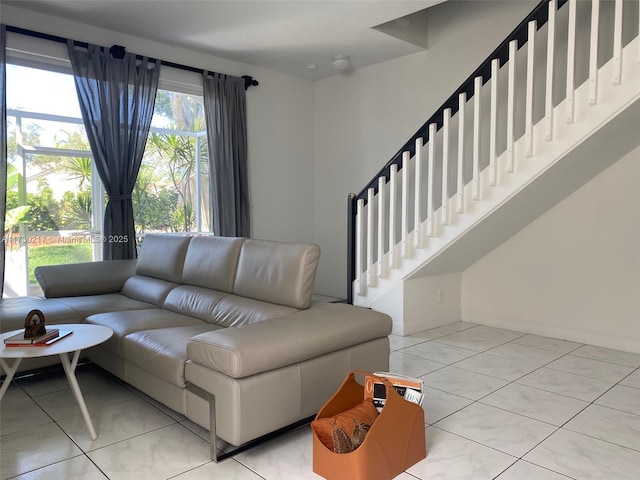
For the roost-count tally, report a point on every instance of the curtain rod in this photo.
(118, 52)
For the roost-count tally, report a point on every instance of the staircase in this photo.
(547, 111)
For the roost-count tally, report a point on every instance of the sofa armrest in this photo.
(259, 347)
(78, 279)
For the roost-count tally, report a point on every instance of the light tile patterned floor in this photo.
(499, 405)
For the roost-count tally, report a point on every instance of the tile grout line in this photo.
(498, 378)
(558, 428)
(55, 422)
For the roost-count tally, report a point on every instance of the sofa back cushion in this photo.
(277, 272)
(193, 301)
(211, 262)
(235, 311)
(162, 256)
(90, 278)
(147, 289)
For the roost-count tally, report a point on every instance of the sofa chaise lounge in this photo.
(212, 324)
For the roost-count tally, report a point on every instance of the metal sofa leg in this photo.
(218, 457)
(213, 438)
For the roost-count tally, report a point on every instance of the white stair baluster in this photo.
(493, 123)
(548, 103)
(404, 245)
(417, 208)
(593, 52)
(617, 43)
(446, 127)
(392, 214)
(571, 52)
(362, 287)
(511, 103)
(371, 274)
(462, 101)
(531, 50)
(382, 186)
(477, 87)
(430, 179)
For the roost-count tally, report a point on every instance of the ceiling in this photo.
(285, 36)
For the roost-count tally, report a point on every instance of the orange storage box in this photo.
(394, 442)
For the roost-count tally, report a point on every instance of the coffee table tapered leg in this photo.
(10, 370)
(69, 369)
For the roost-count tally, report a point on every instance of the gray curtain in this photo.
(3, 146)
(116, 97)
(225, 113)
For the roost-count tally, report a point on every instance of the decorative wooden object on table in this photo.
(34, 324)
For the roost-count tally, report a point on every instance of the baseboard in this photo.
(605, 339)
(415, 326)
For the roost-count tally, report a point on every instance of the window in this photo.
(51, 187)
(171, 192)
(55, 200)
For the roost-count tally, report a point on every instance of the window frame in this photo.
(51, 56)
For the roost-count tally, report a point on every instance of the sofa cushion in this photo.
(278, 342)
(211, 262)
(131, 321)
(14, 310)
(277, 272)
(234, 311)
(193, 301)
(148, 289)
(86, 305)
(162, 352)
(162, 256)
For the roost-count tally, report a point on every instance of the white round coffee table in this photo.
(83, 336)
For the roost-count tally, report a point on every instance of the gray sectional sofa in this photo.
(212, 324)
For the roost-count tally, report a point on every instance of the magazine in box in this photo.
(411, 389)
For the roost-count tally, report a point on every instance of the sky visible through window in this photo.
(41, 91)
(53, 93)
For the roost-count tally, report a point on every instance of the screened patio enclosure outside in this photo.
(55, 200)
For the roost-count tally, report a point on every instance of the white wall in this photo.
(574, 273)
(279, 122)
(364, 117)
(422, 303)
